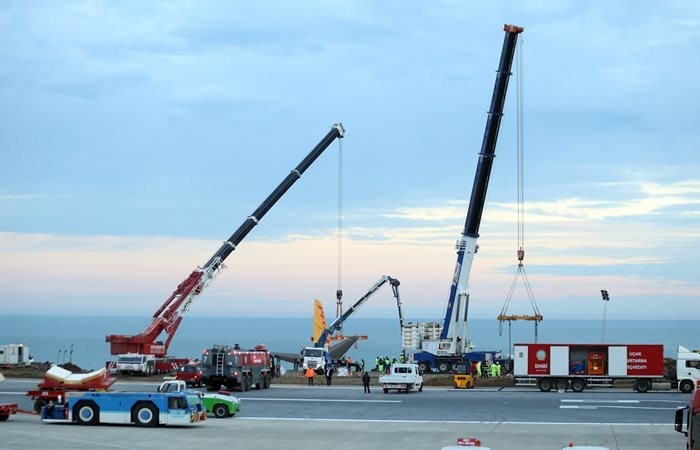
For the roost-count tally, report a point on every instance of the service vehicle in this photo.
(692, 413)
(578, 366)
(6, 409)
(139, 364)
(235, 368)
(58, 382)
(146, 409)
(440, 346)
(221, 404)
(463, 378)
(402, 377)
(190, 374)
(168, 317)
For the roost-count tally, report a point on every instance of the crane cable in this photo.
(520, 205)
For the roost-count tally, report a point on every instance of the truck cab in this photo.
(135, 363)
(688, 370)
(314, 357)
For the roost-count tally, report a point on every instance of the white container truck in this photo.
(561, 366)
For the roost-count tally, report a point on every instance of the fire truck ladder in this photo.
(220, 360)
(520, 273)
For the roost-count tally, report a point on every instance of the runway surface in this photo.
(344, 417)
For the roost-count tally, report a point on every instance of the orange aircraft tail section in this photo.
(319, 320)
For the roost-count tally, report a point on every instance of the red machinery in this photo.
(6, 409)
(58, 381)
(168, 317)
(692, 412)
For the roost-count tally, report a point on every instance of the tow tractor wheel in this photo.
(86, 413)
(220, 411)
(386, 391)
(146, 415)
(38, 404)
(4, 417)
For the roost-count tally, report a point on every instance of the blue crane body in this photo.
(442, 345)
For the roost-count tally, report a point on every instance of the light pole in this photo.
(606, 299)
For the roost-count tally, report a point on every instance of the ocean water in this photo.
(81, 339)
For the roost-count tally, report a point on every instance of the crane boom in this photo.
(168, 317)
(458, 300)
(338, 322)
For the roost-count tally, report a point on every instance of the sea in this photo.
(81, 339)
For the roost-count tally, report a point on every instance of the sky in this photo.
(137, 136)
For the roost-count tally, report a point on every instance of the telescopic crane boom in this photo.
(338, 322)
(458, 301)
(441, 346)
(168, 317)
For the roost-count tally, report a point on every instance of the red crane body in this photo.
(168, 317)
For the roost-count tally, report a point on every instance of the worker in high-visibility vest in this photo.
(310, 374)
(478, 369)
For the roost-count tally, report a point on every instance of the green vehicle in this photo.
(221, 405)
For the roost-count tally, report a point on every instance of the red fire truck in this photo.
(235, 368)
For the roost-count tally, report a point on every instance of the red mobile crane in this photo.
(168, 317)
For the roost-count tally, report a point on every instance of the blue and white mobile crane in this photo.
(442, 346)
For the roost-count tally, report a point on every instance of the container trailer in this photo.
(578, 366)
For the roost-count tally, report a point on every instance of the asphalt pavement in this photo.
(344, 417)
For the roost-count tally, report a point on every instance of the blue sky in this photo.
(136, 136)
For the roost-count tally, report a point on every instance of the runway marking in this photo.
(12, 393)
(614, 407)
(463, 422)
(600, 404)
(316, 400)
(649, 400)
(597, 401)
